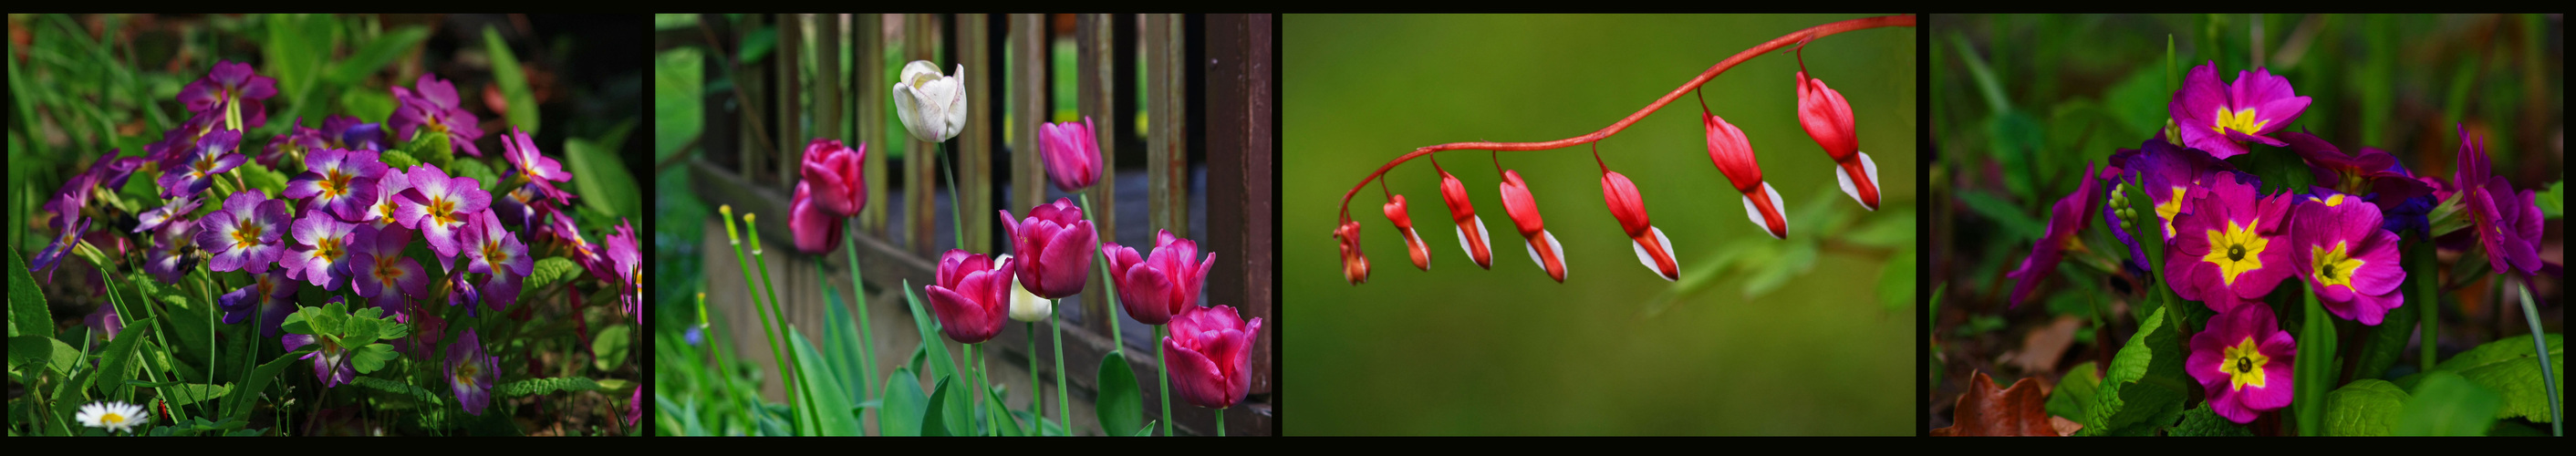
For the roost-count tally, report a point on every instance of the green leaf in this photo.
(2508, 368)
(514, 83)
(296, 322)
(901, 416)
(551, 270)
(42, 351)
(372, 357)
(369, 106)
(2017, 226)
(239, 401)
(842, 339)
(2074, 396)
(1120, 404)
(2447, 405)
(1146, 431)
(822, 389)
(2145, 387)
(483, 176)
(28, 314)
(118, 363)
(399, 160)
(947, 414)
(603, 181)
(1896, 280)
(2553, 203)
(679, 104)
(359, 330)
(2368, 407)
(431, 148)
(414, 393)
(610, 344)
(373, 56)
(757, 44)
(2317, 366)
(1892, 228)
(2201, 422)
(538, 386)
(2382, 345)
(1010, 425)
(933, 350)
(387, 330)
(191, 393)
(262, 178)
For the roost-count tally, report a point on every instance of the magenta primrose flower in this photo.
(496, 251)
(2219, 119)
(438, 205)
(334, 180)
(521, 151)
(2230, 247)
(231, 89)
(270, 295)
(2243, 360)
(471, 372)
(168, 213)
(2070, 215)
(381, 272)
(432, 106)
(246, 235)
(213, 155)
(1054, 247)
(383, 207)
(2508, 223)
(330, 360)
(1072, 153)
(297, 140)
(345, 132)
(1153, 289)
(2339, 250)
(628, 259)
(321, 254)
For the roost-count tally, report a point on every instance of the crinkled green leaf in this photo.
(2145, 387)
(372, 357)
(2444, 404)
(398, 159)
(389, 330)
(2201, 422)
(2368, 407)
(28, 314)
(414, 393)
(537, 386)
(2508, 368)
(2074, 396)
(359, 330)
(551, 270)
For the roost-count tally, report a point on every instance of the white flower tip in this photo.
(1869, 167)
(1755, 214)
(1484, 241)
(1648, 259)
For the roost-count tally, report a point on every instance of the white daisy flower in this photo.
(115, 416)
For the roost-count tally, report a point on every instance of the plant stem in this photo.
(1220, 422)
(778, 306)
(770, 334)
(1165, 378)
(859, 295)
(2420, 270)
(1037, 393)
(956, 201)
(1109, 286)
(154, 316)
(2540, 351)
(1808, 34)
(1063, 402)
(993, 409)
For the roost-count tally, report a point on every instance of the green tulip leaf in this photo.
(904, 405)
(823, 389)
(1120, 404)
(948, 411)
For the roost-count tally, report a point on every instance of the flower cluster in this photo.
(2228, 244)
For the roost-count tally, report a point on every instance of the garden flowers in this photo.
(114, 416)
(932, 106)
(245, 235)
(2219, 119)
(1543, 248)
(470, 372)
(972, 296)
(2508, 223)
(1653, 248)
(1155, 288)
(1471, 228)
(2070, 214)
(1734, 157)
(2230, 247)
(2243, 360)
(1828, 119)
(834, 189)
(431, 106)
(1054, 246)
(330, 362)
(234, 90)
(1072, 154)
(2339, 249)
(1207, 355)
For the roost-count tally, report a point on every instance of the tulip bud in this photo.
(1828, 119)
(1055, 245)
(1072, 154)
(1404, 224)
(838, 174)
(1471, 229)
(1354, 264)
(1734, 156)
(932, 106)
(1154, 288)
(971, 295)
(1523, 209)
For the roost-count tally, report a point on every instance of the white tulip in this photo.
(1026, 306)
(932, 106)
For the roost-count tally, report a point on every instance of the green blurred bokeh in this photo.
(1461, 350)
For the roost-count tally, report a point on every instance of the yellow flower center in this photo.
(335, 184)
(465, 372)
(2242, 121)
(385, 212)
(2169, 209)
(2334, 267)
(2236, 250)
(112, 419)
(2244, 365)
(492, 253)
(329, 250)
(442, 211)
(385, 271)
(247, 235)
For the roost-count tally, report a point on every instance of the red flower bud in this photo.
(1543, 248)
(1653, 249)
(1471, 229)
(1734, 156)
(1828, 119)
(1354, 264)
(1404, 224)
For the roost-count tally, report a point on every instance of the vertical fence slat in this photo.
(1239, 109)
(975, 166)
(750, 80)
(791, 40)
(873, 91)
(1167, 157)
(919, 156)
(1093, 76)
(1029, 107)
(827, 79)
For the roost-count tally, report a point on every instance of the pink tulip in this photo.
(1072, 154)
(838, 175)
(1054, 245)
(1209, 356)
(1155, 288)
(972, 297)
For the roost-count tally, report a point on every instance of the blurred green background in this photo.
(1615, 349)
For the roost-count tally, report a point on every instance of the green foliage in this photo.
(679, 111)
(372, 357)
(28, 313)
(611, 344)
(372, 58)
(2369, 407)
(2382, 345)
(262, 178)
(823, 390)
(841, 338)
(947, 415)
(489, 181)
(932, 349)
(239, 401)
(2017, 225)
(431, 148)
(118, 363)
(417, 395)
(2145, 387)
(513, 81)
(2508, 368)
(603, 181)
(537, 386)
(51, 353)
(905, 405)
(2553, 203)
(1120, 404)
(2200, 421)
(2445, 404)
(2075, 394)
(552, 270)
(398, 160)
(2317, 367)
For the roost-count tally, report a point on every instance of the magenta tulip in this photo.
(1072, 153)
(1054, 245)
(1209, 355)
(972, 296)
(1155, 288)
(838, 175)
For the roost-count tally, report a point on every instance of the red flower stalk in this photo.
(1404, 224)
(1471, 229)
(1543, 248)
(1734, 156)
(1354, 264)
(1653, 249)
(1828, 119)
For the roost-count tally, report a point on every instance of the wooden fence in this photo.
(1218, 113)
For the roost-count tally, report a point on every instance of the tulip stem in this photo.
(859, 296)
(956, 201)
(777, 306)
(1166, 378)
(1797, 37)
(768, 331)
(1108, 282)
(1063, 402)
(2540, 351)
(1037, 393)
(1220, 422)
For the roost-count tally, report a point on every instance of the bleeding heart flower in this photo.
(1828, 119)
(1404, 224)
(1653, 248)
(1354, 264)
(1734, 156)
(1471, 229)
(1543, 248)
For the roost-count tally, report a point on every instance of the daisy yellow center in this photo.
(2244, 365)
(2169, 209)
(2334, 267)
(112, 418)
(247, 235)
(2242, 121)
(2235, 250)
